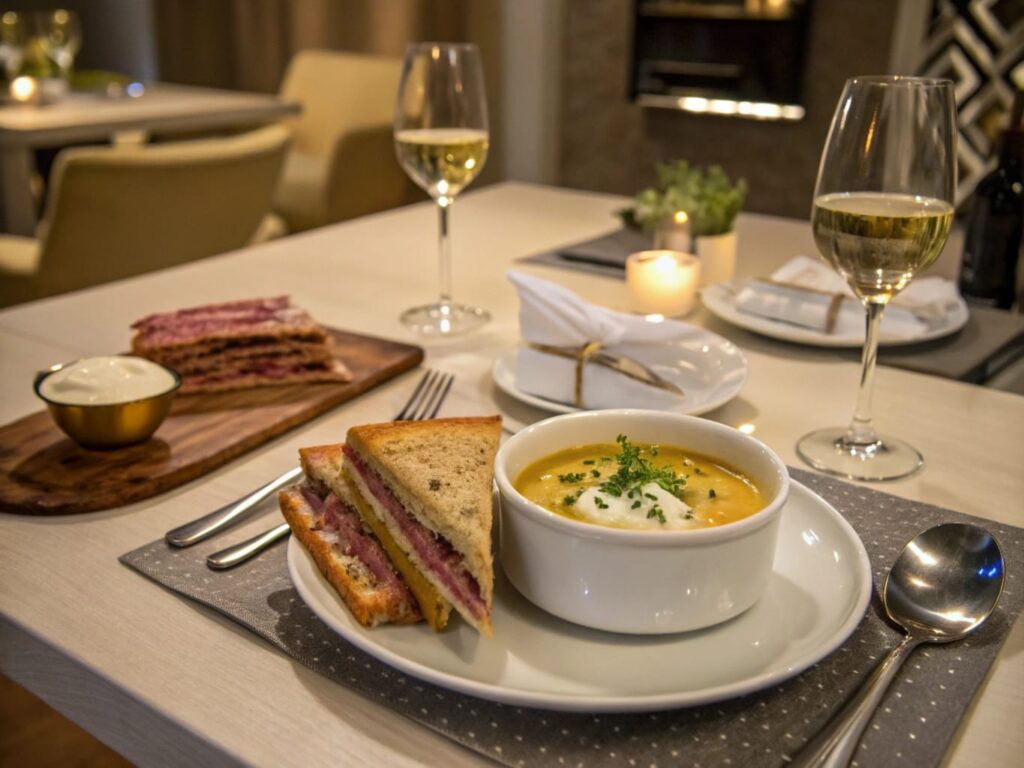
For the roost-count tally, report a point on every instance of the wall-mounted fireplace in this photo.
(739, 58)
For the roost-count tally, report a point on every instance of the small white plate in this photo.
(720, 301)
(710, 370)
(815, 598)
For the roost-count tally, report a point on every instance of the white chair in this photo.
(342, 160)
(114, 212)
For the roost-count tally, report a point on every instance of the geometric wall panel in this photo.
(979, 45)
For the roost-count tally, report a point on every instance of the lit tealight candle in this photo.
(24, 89)
(662, 282)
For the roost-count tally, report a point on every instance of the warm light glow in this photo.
(747, 428)
(665, 265)
(662, 283)
(654, 318)
(758, 110)
(24, 89)
(723, 106)
(694, 104)
(681, 217)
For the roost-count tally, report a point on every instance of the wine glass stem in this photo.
(444, 250)
(860, 431)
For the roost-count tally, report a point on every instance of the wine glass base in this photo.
(829, 450)
(444, 319)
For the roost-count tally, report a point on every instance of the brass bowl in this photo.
(112, 425)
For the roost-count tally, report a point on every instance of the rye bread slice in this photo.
(441, 471)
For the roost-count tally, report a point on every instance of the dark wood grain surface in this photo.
(44, 472)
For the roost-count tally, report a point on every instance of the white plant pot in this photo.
(717, 254)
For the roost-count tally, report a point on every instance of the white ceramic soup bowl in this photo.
(632, 581)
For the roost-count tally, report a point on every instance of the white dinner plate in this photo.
(815, 598)
(720, 301)
(710, 370)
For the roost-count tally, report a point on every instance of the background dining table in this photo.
(88, 117)
(163, 680)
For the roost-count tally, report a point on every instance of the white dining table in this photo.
(165, 681)
(85, 117)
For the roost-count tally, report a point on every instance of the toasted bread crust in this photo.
(441, 471)
(369, 605)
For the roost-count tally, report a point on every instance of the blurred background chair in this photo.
(114, 212)
(342, 160)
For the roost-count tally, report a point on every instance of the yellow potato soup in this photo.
(639, 486)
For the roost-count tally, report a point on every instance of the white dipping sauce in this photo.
(618, 511)
(106, 381)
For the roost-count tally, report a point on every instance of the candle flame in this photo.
(23, 88)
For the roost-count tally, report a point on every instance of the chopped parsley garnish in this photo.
(635, 472)
(605, 459)
(571, 477)
(656, 511)
(588, 462)
(569, 500)
(595, 473)
(600, 503)
(636, 505)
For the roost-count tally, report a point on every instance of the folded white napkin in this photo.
(785, 299)
(553, 315)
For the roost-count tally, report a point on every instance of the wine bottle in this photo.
(988, 273)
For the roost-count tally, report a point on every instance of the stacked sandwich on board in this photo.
(398, 519)
(239, 344)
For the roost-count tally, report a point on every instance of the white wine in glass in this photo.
(882, 211)
(441, 141)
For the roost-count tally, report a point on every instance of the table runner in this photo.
(914, 725)
(991, 339)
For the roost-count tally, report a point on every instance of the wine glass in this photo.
(883, 206)
(441, 141)
(12, 44)
(60, 35)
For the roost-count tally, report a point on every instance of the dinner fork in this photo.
(424, 403)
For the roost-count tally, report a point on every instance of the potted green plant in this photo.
(692, 202)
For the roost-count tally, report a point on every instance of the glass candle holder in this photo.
(662, 282)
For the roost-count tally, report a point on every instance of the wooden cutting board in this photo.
(44, 472)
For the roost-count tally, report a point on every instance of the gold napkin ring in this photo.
(586, 352)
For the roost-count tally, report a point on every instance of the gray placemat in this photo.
(991, 340)
(604, 255)
(914, 726)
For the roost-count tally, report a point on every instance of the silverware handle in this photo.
(239, 553)
(207, 525)
(835, 744)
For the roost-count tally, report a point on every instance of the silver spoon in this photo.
(942, 587)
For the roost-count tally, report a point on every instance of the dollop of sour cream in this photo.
(597, 506)
(106, 381)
